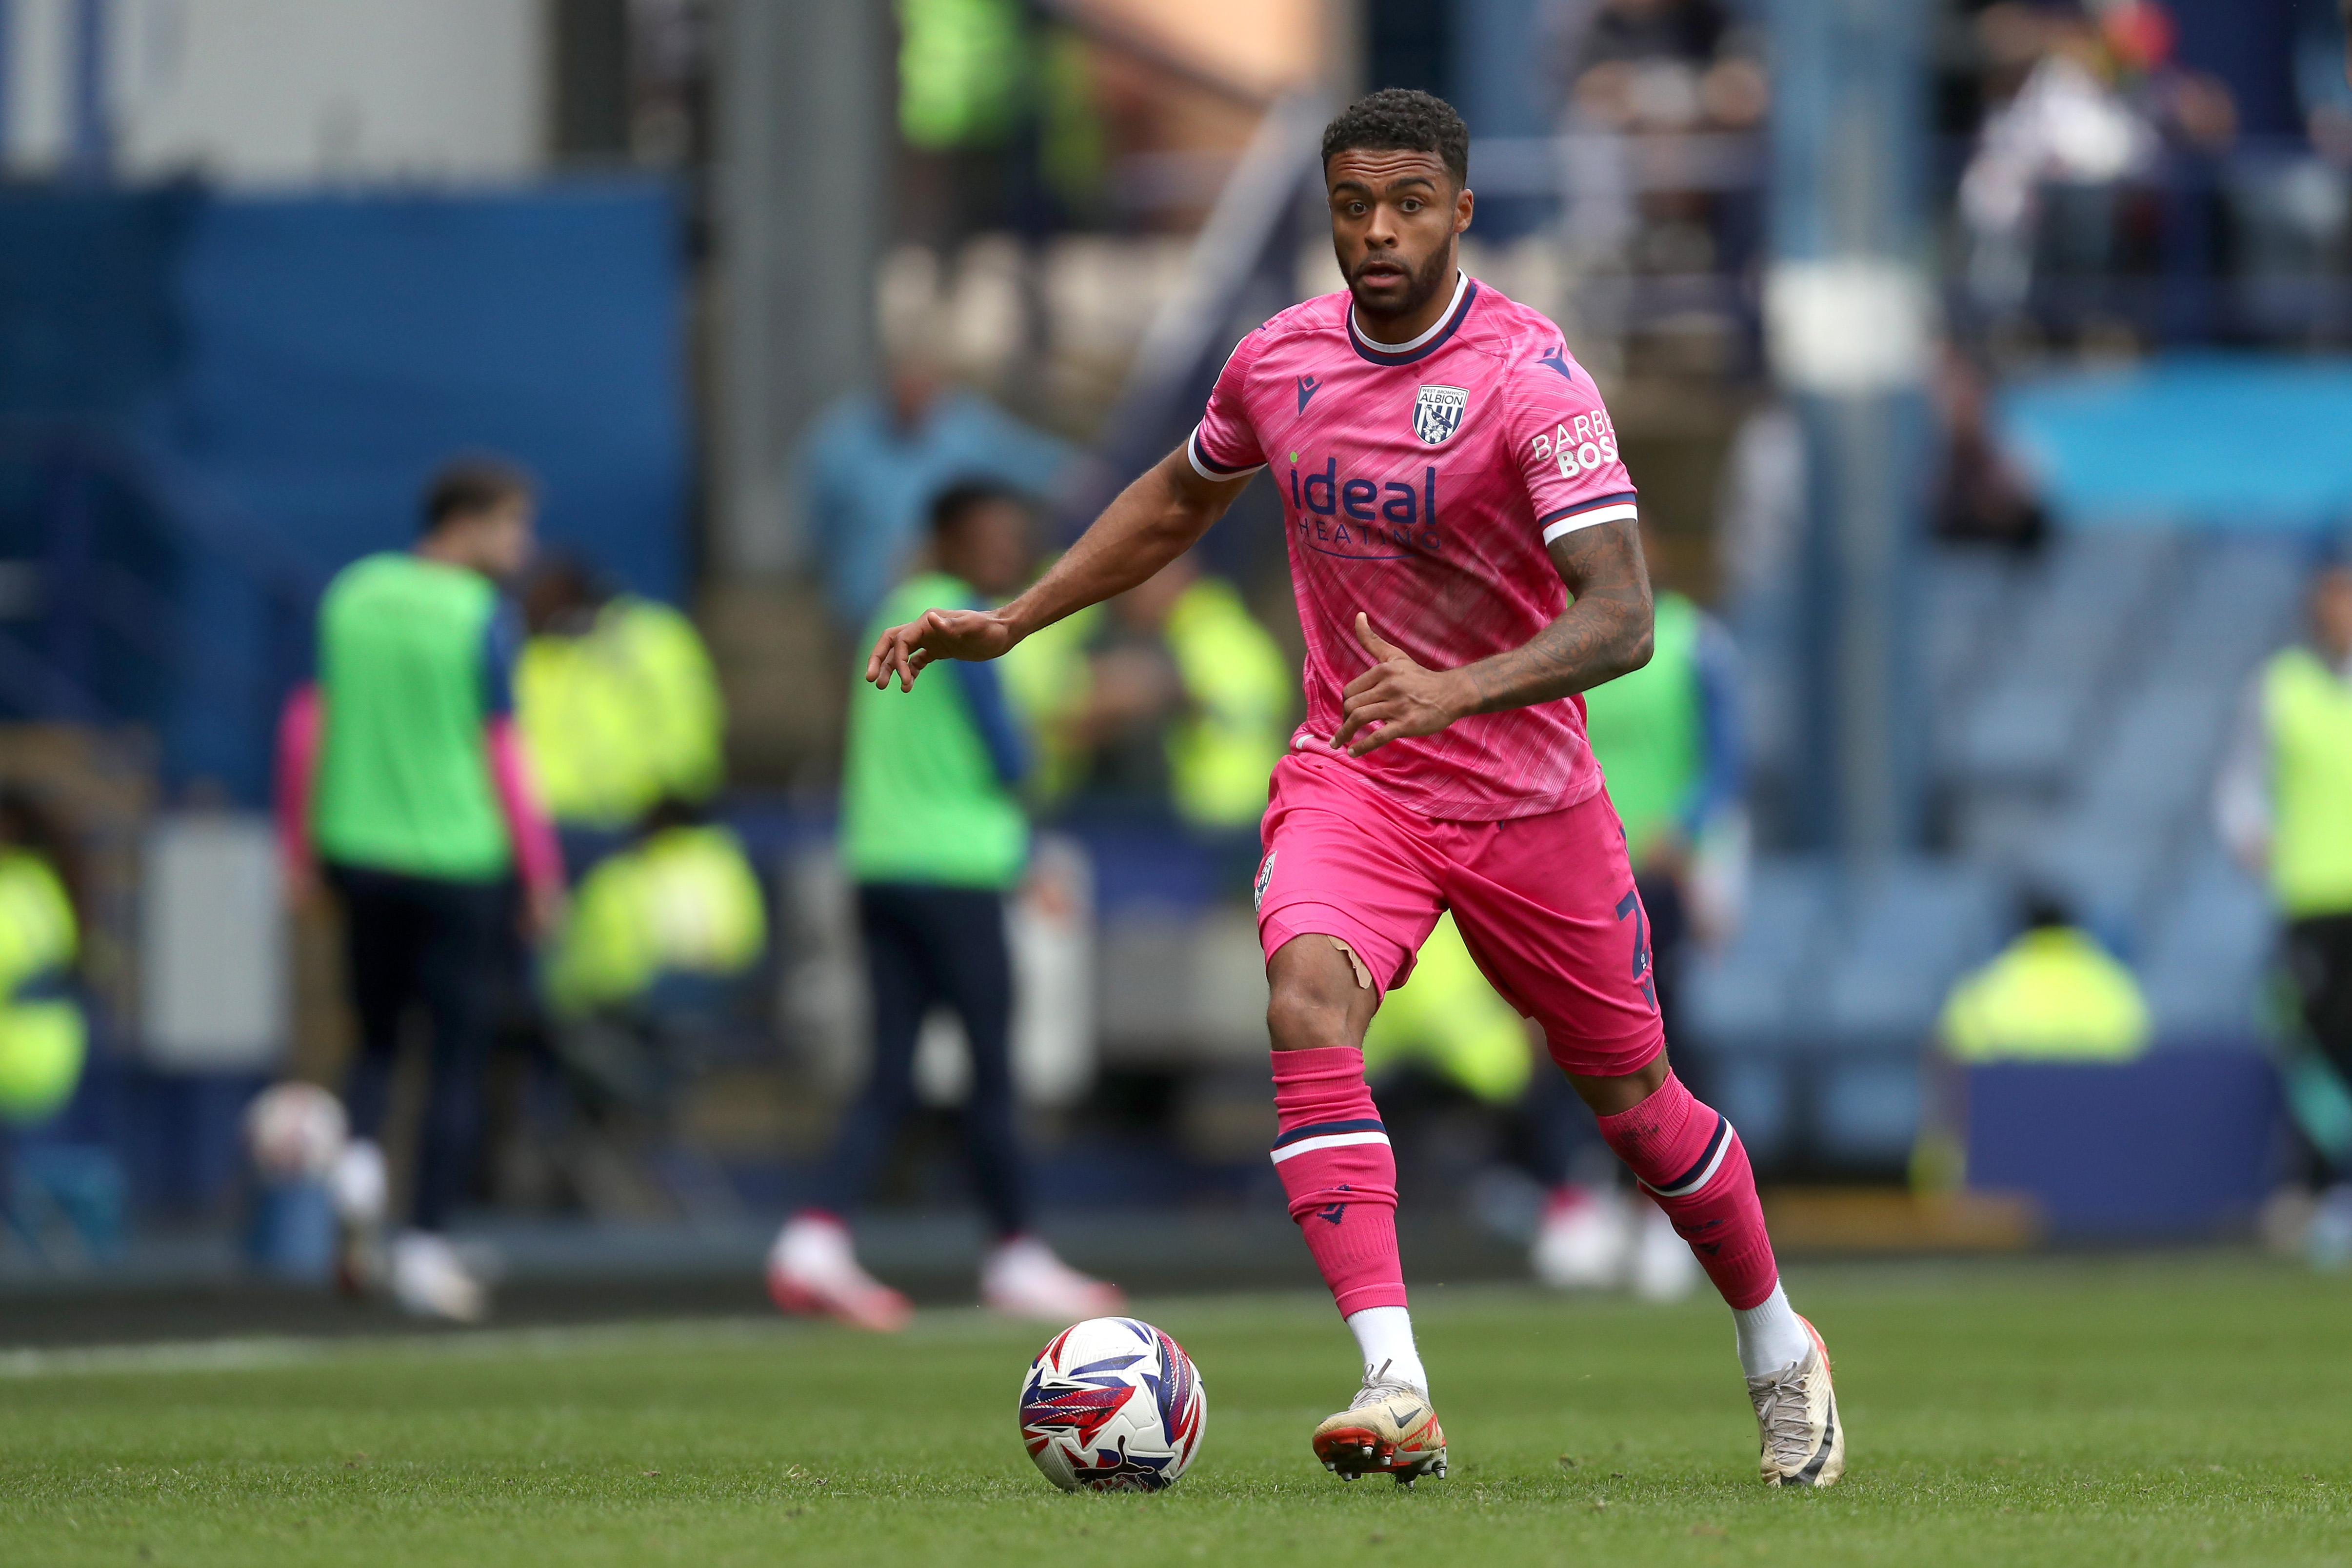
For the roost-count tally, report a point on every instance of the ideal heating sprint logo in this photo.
(1363, 519)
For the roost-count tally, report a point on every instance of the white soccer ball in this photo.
(1113, 1404)
(294, 1131)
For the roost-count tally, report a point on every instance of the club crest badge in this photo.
(1265, 876)
(1437, 412)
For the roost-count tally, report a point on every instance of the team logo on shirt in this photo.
(1437, 412)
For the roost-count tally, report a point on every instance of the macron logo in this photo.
(1307, 385)
(1556, 360)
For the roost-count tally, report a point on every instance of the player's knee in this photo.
(1304, 1016)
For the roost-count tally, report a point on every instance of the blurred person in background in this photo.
(2283, 806)
(44, 1037)
(1629, 69)
(2053, 994)
(1175, 697)
(618, 705)
(872, 463)
(934, 836)
(1670, 740)
(401, 782)
(1983, 495)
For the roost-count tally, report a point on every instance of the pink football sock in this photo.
(1690, 1161)
(1333, 1156)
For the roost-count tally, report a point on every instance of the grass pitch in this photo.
(2154, 1410)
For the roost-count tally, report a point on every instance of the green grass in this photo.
(2156, 1410)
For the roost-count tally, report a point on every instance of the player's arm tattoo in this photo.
(1603, 634)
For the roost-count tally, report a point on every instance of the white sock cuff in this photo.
(1384, 1337)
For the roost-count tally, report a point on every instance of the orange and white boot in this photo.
(1389, 1430)
(1802, 1440)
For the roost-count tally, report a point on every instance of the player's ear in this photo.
(1463, 200)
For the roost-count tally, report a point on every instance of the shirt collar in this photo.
(1396, 352)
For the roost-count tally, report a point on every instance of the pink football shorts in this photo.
(1545, 904)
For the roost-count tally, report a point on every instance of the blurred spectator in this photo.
(874, 462)
(1183, 698)
(617, 702)
(1669, 738)
(1983, 495)
(401, 773)
(2322, 80)
(2054, 994)
(2060, 122)
(2283, 805)
(933, 836)
(1635, 67)
(43, 1036)
(680, 901)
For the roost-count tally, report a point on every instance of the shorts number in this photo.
(1632, 904)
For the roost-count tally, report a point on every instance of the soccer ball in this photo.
(1113, 1404)
(294, 1131)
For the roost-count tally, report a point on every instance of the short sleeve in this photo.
(1565, 446)
(1224, 445)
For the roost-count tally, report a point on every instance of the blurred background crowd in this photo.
(1986, 369)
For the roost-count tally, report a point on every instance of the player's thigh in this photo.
(1548, 908)
(1338, 865)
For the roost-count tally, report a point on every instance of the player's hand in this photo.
(1396, 697)
(903, 651)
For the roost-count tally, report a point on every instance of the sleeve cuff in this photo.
(1216, 473)
(1609, 509)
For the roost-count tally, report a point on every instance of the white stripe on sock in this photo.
(1327, 1141)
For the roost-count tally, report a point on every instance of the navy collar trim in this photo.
(1466, 293)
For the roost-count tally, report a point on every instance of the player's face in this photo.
(1394, 218)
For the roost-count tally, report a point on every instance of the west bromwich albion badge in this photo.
(1437, 412)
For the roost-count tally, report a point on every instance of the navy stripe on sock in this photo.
(1722, 1129)
(1317, 1129)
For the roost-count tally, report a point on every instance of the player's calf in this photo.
(1690, 1162)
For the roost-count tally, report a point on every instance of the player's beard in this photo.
(1433, 274)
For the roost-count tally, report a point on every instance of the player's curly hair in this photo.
(1401, 119)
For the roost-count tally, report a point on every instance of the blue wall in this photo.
(208, 404)
(338, 348)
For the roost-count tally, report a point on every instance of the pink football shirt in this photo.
(1420, 485)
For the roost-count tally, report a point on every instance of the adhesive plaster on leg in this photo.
(1363, 976)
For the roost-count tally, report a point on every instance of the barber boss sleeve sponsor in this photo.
(1578, 445)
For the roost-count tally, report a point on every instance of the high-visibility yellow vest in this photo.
(622, 716)
(1448, 1018)
(1237, 697)
(43, 1042)
(685, 902)
(2053, 995)
(2307, 708)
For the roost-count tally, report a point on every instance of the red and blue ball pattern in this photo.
(1112, 1405)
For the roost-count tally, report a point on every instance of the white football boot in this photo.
(429, 1281)
(1024, 1278)
(1389, 1430)
(1803, 1442)
(1663, 1268)
(1582, 1242)
(812, 1271)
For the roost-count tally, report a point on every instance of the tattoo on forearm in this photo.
(1603, 634)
